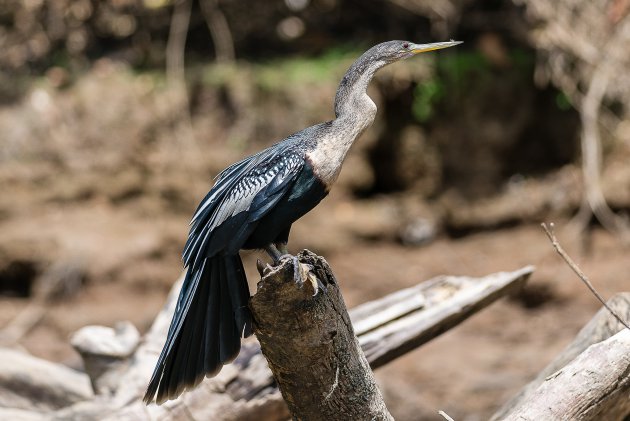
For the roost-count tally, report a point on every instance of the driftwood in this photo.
(432, 308)
(600, 328)
(245, 390)
(106, 353)
(30, 383)
(594, 386)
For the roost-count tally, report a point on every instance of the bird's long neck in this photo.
(354, 112)
(352, 101)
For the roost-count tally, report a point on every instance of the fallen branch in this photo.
(594, 386)
(105, 353)
(575, 268)
(30, 383)
(601, 327)
(590, 379)
(245, 390)
(445, 302)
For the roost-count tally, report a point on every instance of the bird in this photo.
(252, 205)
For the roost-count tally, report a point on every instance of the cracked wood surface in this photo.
(594, 386)
(601, 327)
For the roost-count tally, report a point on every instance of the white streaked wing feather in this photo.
(222, 183)
(243, 193)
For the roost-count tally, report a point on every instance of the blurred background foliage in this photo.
(297, 48)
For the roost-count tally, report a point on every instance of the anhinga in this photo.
(252, 206)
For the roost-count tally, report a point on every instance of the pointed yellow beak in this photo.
(423, 48)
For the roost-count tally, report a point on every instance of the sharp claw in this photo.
(306, 273)
(260, 266)
(302, 272)
(314, 282)
(321, 285)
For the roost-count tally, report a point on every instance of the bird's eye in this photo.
(406, 45)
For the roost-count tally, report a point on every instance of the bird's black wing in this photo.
(242, 195)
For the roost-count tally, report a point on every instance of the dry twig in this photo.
(445, 415)
(576, 269)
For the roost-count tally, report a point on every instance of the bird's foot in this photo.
(302, 273)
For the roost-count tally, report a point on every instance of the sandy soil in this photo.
(468, 372)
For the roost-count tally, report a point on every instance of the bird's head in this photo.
(392, 51)
(361, 72)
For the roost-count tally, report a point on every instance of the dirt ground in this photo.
(129, 260)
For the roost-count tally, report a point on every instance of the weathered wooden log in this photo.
(245, 390)
(30, 383)
(594, 386)
(14, 414)
(601, 327)
(106, 353)
(418, 314)
(307, 338)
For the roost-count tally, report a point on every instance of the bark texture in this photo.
(594, 386)
(427, 310)
(601, 327)
(311, 348)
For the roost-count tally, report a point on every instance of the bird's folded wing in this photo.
(243, 194)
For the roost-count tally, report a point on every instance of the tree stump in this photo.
(310, 345)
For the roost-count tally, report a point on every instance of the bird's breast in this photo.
(328, 155)
(326, 170)
(332, 146)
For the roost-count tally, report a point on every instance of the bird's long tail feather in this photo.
(206, 330)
